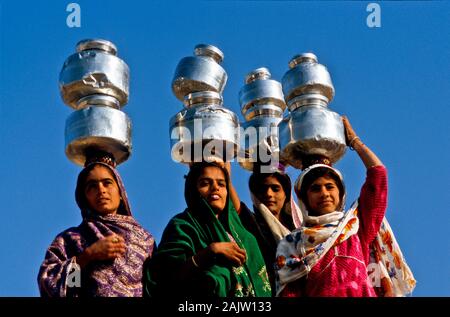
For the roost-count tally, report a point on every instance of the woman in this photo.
(205, 250)
(274, 214)
(338, 252)
(104, 255)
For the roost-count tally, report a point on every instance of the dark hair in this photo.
(191, 194)
(315, 174)
(256, 179)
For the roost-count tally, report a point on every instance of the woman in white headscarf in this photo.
(338, 252)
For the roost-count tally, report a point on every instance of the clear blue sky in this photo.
(392, 82)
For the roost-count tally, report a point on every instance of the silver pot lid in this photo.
(307, 100)
(97, 44)
(202, 98)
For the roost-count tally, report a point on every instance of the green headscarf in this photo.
(193, 230)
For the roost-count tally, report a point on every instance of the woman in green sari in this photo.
(205, 250)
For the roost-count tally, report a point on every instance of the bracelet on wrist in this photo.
(352, 141)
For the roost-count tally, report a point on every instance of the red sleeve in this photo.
(372, 203)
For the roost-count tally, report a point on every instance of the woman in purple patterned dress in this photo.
(104, 255)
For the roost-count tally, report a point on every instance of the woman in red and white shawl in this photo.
(104, 255)
(339, 252)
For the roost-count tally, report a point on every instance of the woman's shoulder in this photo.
(182, 219)
(67, 237)
(180, 226)
(246, 215)
(70, 232)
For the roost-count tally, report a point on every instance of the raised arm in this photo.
(233, 194)
(354, 142)
(373, 196)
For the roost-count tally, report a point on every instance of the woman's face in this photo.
(212, 186)
(323, 196)
(272, 195)
(101, 190)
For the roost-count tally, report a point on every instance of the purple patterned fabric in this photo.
(120, 277)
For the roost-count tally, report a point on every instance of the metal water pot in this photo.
(201, 72)
(311, 128)
(94, 81)
(98, 128)
(262, 104)
(204, 130)
(306, 75)
(94, 69)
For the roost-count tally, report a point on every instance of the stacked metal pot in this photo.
(95, 82)
(204, 129)
(262, 104)
(310, 128)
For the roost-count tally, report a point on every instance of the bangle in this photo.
(350, 144)
(195, 263)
